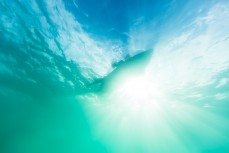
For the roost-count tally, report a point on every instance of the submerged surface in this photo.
(80, 76)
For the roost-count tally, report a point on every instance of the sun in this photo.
(137, 89)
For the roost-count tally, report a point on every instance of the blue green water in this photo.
(112, 76)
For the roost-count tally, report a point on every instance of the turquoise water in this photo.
(83, 78)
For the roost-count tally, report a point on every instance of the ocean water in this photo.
(114, 76)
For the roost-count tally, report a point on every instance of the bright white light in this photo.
(138, 90)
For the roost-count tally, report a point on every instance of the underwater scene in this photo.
(114, 76)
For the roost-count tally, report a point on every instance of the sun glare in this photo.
(138, 89)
